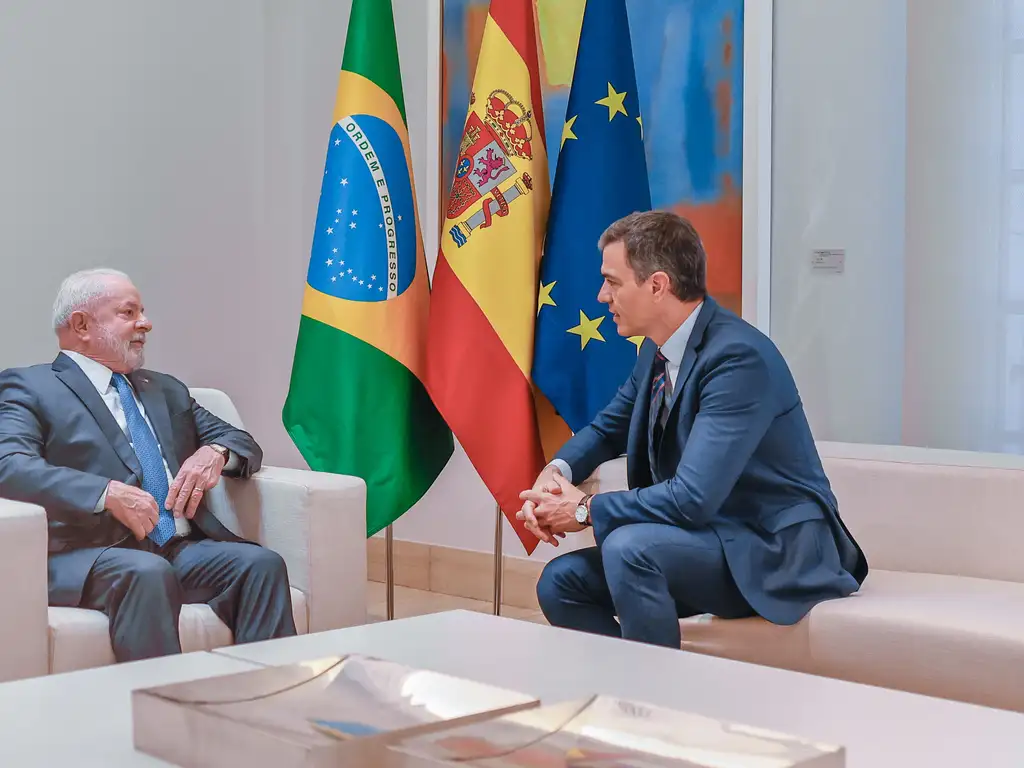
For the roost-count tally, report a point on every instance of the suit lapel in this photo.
(641, 425)
(76, 380)
(690, 356)
(685, 369)
(153, 400)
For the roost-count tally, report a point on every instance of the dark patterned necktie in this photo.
(654, 428)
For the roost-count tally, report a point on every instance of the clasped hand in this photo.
(549, 508)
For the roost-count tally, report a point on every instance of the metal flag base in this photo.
(389, 570)
(498, 559)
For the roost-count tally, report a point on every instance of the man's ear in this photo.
(661, 284)
(79, 323)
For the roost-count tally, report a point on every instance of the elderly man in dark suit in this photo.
(120, 458)
(728, 510)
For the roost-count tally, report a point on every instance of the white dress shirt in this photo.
(673, 350)
(102, 378)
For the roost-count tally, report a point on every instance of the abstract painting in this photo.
(689, 66)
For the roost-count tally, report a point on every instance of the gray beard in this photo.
(122, 351)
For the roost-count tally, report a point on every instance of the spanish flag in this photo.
(357, 404)
(485, 285)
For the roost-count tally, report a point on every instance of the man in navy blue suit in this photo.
(728, 511)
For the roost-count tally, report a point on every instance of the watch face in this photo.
(581, 514)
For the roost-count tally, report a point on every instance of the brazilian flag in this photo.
(356, 403)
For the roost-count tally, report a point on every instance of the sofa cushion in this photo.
(948, 636)
(955, 637)
(753, 640)
(923, 510)
(80, 638)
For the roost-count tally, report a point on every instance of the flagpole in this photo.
(442, 171)
(498, 558)
(389, 570)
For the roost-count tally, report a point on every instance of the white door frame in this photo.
(757, 162)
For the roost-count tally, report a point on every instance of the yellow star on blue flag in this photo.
(601, 176)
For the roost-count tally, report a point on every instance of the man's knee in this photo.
(623, 546)
(552, 586)
(266, 564)
(151, 574)
(264, 609)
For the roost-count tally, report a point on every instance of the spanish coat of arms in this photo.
(485, 164)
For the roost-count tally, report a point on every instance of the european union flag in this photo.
(579, 358)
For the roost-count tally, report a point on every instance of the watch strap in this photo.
(585, 502)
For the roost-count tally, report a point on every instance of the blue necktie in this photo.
(154, 476)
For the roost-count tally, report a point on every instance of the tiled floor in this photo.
(415, 602)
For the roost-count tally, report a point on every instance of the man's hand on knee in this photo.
(133, 507)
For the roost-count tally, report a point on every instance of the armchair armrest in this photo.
(317, 522)
(24, 626)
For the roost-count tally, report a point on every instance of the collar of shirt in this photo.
(96, 372)
(675, 347)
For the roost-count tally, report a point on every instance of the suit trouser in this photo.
(141, 588)
(649, 575)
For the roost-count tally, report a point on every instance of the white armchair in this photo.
(315, 521)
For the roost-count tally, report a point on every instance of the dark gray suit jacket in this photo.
(60, 446)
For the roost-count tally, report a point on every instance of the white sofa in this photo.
(316, 521)
(942, 610)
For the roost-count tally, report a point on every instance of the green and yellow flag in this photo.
(356, 404)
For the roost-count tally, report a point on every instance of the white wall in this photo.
(839, 151)
(955, 169)
(889, 141)
(133, 136)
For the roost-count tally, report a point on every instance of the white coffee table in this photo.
(84, 718)
(880, 728)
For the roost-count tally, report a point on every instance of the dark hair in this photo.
(659, 241)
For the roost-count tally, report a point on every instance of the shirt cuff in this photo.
(233, 463)
(102, 503)
(562, 467)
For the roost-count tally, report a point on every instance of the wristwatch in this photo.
(221, 450)
(583, 510)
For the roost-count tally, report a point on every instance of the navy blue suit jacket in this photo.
(741, 461)
(60, 446)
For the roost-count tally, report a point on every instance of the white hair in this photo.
(79, 291)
